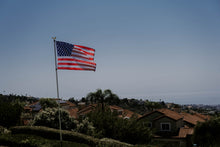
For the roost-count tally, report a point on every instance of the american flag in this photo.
(75, 57)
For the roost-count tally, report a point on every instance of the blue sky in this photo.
(149, 49)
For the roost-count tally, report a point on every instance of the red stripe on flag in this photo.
(87, 58)
(80, 51)
(76, 64)
(84, 47)
(77, 60)
(74, 68)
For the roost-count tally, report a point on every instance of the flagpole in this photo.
(55, 55)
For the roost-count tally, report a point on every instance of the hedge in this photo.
(24, 140)
(51, 133)
(112, 143)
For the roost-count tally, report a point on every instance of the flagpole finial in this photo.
(54, 38)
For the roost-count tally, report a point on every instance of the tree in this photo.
(132, 131)
(103, 121)
(100, 97)
(72, 100)
(108, 124)
(50, 118)
(111, 98)
(207, 134)
(13, 98)
(96, 97)
(10, 113)
(125, 101)
(48, 103)
(153, 105)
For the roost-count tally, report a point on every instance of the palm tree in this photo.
(110, 97)
(95, 97)
(101, 97)
(91, 97)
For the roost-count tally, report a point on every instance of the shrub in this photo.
(50, 118)
(85, 127)
(10, 113)
(48, 103)
(4, 130)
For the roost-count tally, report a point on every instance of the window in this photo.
(165, 126)
(149, 124)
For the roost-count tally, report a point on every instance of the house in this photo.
(123, 113)
(70, 107)
(29, 112)
(171, 126)
(32, 109)
(36, 107)
(164, 121)
(66, 104)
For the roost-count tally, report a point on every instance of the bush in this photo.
(10, 113)
(85, 127)
(48, 103)
(4, 130)
(50, 118)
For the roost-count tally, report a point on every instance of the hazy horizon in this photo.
(168, 50)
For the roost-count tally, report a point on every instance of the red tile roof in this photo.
(165, 112)
(205, 117)
(193, 119)
(87, 109)
(130, 113)
(183, 132)
(70, 104)
(115, 107)
(172, 114)
(73, 112)
(125, 113)
(67, 103)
